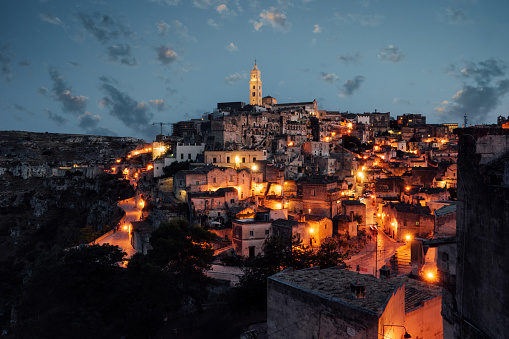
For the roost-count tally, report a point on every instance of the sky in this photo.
(119, 68)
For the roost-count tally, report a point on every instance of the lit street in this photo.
(380, 248)
(121, 237)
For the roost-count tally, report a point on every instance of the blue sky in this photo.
(115, 67)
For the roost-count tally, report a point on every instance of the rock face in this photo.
(45, 207)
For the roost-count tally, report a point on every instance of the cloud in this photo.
(232, 48)
(317, 29)
(57, 119)
(168, 2)
(212, 23)
(103, 27)
(24, 62)
(90, 124)
(165, 55)
(224, 11)
(401, 101)
(483, 72)
(6, 58)
(135, 115)
(391, 53)
(121, 54)
(362, 19)
(203, 4)
(452, 16)
(352, 86)
(273, 18)
(24, 109)
(50, 18)
(42, 91)
(234, 78)
(163, 28)
(348, 58)
(329, 77)
(158, 104)
(88, 121)
(61, 92)
(481, 94)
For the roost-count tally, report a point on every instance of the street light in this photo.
(406, 335)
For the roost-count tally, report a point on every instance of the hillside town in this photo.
(411, 199)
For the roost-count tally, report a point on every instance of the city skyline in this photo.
(116, 68)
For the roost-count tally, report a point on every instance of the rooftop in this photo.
(334, 284)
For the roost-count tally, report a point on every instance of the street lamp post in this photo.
(406, 335)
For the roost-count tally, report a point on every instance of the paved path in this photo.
(386, 247)
(121, 237)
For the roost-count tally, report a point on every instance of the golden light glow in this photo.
(378, 215)
(149, 167)
(311, 230)
(290, 144)
(125, 171)
(141, 203)
(309, 210)
(118, 160)
(254, 168)
(125, 228)
(360, 175)
(333, 134)
(407, 188)
(408, 237)
(430, 275)
(113, 169)
(349, 125)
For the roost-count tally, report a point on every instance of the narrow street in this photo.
(379, 249)
(121, 237)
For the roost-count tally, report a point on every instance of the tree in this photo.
(358, 218)
(184, 251)
(329, 254)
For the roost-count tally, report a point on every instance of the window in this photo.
(416, 223)
(253, 87)
(267, 232)
(181, 156)
(214, 160)
(445, 256)
(232, 201)
(251, 233)
(313, 193)
(228, 160)
(197, 182)
(231, 177)
(214, 180)
(254, 159)
(189, 155)
(243, 159)
(254, 93)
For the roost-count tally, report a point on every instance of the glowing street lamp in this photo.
(254, 168)
(408, 237)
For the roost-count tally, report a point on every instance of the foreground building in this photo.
(336, 303)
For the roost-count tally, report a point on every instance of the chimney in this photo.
(358, 290)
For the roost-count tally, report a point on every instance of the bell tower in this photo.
(255, 87)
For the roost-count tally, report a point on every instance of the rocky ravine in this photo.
(43, 208)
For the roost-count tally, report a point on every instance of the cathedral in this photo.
(255, 87)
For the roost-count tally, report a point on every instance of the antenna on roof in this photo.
(465, 119)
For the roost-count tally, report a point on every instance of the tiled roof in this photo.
(334, 284)
(445, 210)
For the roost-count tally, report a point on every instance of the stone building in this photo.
(478, 306)
(212, 178)
(212, 206)
(316, 196)
(399, 220)
(336, 303)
